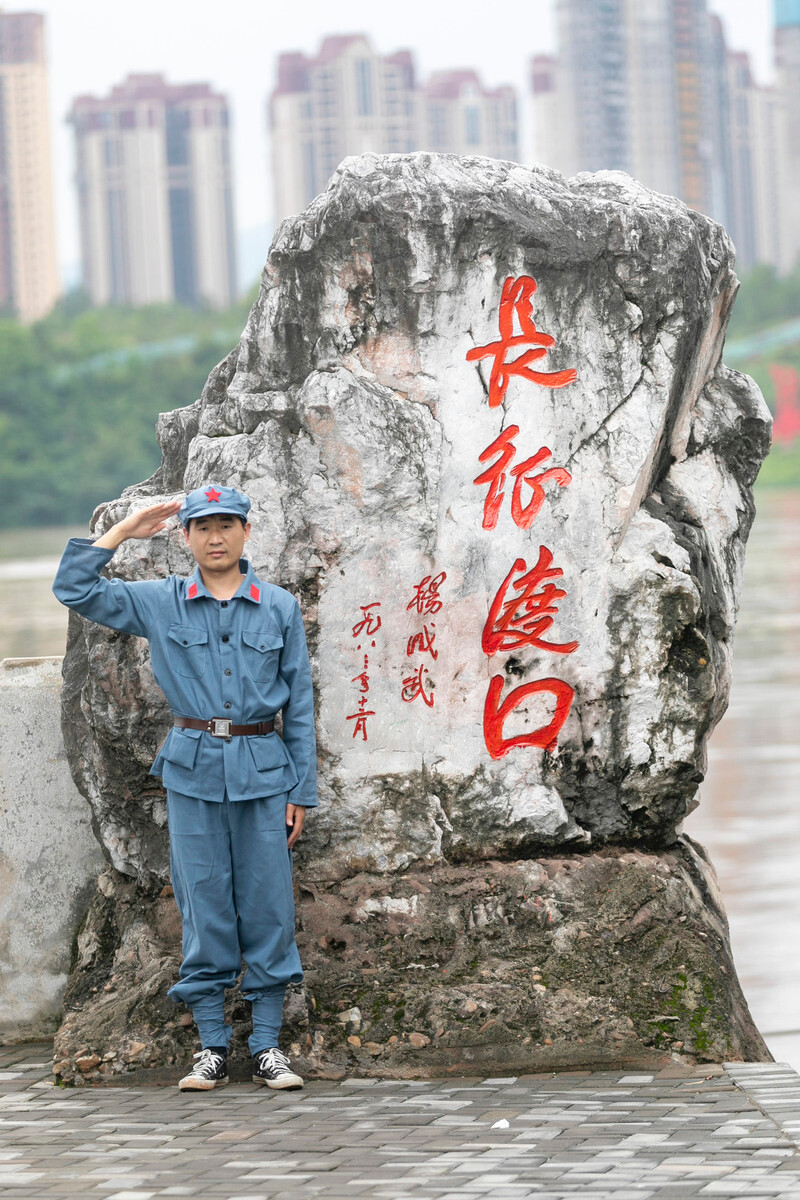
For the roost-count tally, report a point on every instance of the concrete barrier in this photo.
(49, 856)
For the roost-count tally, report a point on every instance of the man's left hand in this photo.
(295, 816)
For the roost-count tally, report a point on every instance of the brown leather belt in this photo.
(222, 727)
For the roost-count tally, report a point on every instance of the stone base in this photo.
(615, 958)
(49, 856)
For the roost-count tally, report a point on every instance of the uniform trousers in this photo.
(232, 878)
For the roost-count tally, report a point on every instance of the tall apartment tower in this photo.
(593, 85)
(694, 74)
(155, 194)
(347, 100)
(753, 198)
(546, 113)
(350, 100)
(787, 87)
(29, 283)
(459, 116)
(633, 89)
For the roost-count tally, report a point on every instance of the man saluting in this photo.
(229, 651)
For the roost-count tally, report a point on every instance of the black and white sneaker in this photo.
(210, 1070)
(272, 1068)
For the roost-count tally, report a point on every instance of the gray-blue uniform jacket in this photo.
(244, 658)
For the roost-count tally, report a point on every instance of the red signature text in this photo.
(369, 624)
(426, 600)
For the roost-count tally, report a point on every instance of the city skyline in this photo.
(348, 100)
(246, 72)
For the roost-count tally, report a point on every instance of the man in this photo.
(229, 651)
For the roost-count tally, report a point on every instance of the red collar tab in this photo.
(213, 495)
(255, 592)
(192, 592)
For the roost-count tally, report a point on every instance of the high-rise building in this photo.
(753, 201)
(350, 100)
(742, 219)
(462, 117)
(693, 74)
(346, 100)
(719, 115)
(787, 88)
(655, 154)
(593, 85)
(547, 116)
(29, 284)
(155, 194)
(650, 87)
(766, 169)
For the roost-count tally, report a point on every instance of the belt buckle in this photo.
(220, 727)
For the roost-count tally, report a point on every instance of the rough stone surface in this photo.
(49, 857)
(350, 414)
(596, 958)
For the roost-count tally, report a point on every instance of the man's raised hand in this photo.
(142, 523)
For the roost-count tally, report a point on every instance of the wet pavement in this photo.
(681, 1132)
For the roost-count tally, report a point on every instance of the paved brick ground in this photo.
(613, 1135)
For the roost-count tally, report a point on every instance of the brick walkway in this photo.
(679, 1133)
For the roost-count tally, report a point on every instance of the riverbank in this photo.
(32, 622)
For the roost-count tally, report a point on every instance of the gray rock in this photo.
(448, 996)
(49, 858)
(352, 416)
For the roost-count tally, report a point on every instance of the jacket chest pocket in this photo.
(187, 650)
(261, 652)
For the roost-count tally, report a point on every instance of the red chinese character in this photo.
(363, 680)
(413, 686)
(516, 298)
(427, 598)
(495, 475)
(523, 619)
(367, 620)
(423, 642)
(360, 726)
(495, 714)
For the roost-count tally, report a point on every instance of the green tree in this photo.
(79, 395)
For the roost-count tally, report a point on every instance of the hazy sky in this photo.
(233, 44)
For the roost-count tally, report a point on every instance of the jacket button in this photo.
(227, 704)
(228, 739)
(228, 671)
(225, 637)
(224, 604)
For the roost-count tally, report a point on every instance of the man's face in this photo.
(216, 541)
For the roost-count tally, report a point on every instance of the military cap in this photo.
(214, 498)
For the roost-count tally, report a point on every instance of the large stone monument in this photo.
(492, 449)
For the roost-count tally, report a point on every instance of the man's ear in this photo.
(186, 535)
(247, 529)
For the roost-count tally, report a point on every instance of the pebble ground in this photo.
(680, 1132)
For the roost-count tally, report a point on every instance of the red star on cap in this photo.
(212, 494)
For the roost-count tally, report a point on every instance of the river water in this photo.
(749, 815)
